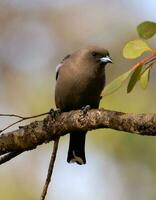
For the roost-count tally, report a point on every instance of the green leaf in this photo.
(134, 78)
(144, 77)
(146, 29)
(135, 48)
(116, 84)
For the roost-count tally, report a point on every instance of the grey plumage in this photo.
(80, 81)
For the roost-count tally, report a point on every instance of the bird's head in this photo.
(98, 55)
(91, 57)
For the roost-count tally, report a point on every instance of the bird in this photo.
(80, 79)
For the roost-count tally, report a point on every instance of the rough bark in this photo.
(38, 132)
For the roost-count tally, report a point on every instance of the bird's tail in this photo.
(76, 152)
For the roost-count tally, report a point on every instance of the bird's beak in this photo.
(106, 59)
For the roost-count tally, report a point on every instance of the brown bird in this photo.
(80, 79)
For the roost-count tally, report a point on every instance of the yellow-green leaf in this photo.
(146, 29)
(144, 78)
(116, 84)
(134, 78)
(135, 48)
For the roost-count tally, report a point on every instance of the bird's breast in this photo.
(75, 90)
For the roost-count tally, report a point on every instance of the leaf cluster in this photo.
(132, 50)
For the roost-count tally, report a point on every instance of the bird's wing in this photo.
(57, 69)
(60, 65)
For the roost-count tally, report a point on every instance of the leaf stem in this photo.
(142, 62)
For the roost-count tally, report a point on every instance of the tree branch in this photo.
(38, 132)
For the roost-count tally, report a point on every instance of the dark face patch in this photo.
(101, 57)
(98, 55)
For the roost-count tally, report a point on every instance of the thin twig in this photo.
(50, 169)
(21, 119)
(152, 60)
(9, 156)
(11, 125)
(11, 115)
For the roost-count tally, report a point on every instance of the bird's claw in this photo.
(85, 109)
(54, 113)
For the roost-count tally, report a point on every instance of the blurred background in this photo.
(34, 36)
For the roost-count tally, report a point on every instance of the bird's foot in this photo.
(85, 109)
(54, 113)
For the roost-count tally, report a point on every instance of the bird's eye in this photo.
(94, 54)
